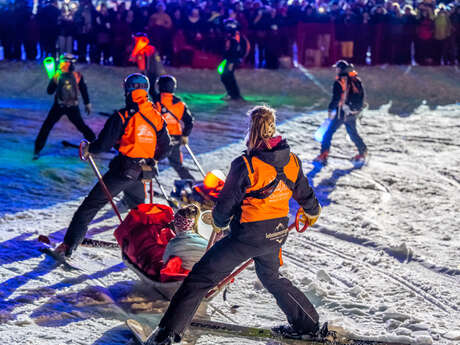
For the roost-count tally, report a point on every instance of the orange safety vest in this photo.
(345, 87)
(270, 191)
(171, 112)
(140, 137)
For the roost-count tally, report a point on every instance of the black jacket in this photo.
(52, 87)
(114, 129)
(234, 191)
(337, 92)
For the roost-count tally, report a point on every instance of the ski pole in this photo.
(240, 269)
(195, 160)
(90, 159)
(170, 202)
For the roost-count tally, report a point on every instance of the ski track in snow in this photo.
(382, 261)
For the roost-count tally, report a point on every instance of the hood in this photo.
(278, 156)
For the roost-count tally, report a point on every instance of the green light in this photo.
(50, 66)
(221, 67)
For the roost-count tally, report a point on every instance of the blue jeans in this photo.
(350, 125)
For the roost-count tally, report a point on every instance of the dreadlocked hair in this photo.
(190, 211)
(261, 128)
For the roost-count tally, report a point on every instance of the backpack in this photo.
(355, 97)
(67, 90)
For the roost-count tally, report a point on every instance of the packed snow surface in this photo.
(381, 263)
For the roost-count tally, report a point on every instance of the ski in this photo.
(87, 242)
(142, 332)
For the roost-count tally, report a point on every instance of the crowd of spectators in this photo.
(318, 32)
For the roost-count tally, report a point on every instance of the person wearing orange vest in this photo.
(139, 133)
(147, 59)
(179, 120)
(255, 202)
(347, 103)
(66, 83)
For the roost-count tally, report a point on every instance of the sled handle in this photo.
(83, 144)
(299, 221)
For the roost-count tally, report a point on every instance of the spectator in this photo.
(121, 33)
(194, 28)
(396, 31)
(32, 36)
(345, 28)
(84, 23)
(425, 28)
(455, 45)
(66, 28)
(21, 17)
(442, 33)
(160, 30)
(408, 38)
(103, 35)
(363, 39)
(48, 22)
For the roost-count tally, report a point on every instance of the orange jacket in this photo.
(174, 111)
(258, 187)
(268, 195)
(140, 136)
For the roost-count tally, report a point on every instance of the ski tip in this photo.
(44, 239)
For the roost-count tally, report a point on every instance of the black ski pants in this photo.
(96, 199)
(176, 162)
(219, 262)
(229, 81)
(56, 112)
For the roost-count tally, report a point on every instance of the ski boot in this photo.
(322, 157)
(162, 336)
(63, 250)
(287, 331)
(360, 158)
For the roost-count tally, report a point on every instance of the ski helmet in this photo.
(66, 62)
(136, 81)
(167, 83)
(67, 57)
(341, 64)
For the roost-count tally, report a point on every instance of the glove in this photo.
(88, 108)
(183, 140)
(155, 170)
(309, 219)
(330, 114)
(85, 151)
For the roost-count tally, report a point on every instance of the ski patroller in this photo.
(142, 332)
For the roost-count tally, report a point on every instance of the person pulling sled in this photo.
(346, 105)
(255, 202)
(139, 133)
(179, 121)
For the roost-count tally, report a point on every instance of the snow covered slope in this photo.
(382, 262)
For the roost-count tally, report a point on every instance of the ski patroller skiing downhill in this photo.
(266, 177)
(346, 106)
